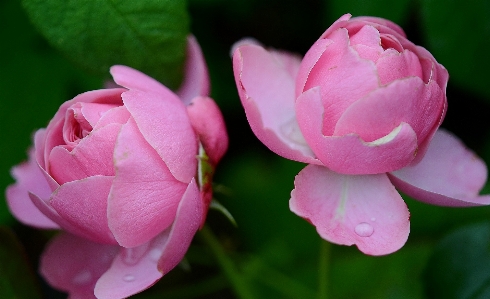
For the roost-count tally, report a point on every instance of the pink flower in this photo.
(117, 170)
(362, 108)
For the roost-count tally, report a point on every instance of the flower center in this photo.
(76, 126)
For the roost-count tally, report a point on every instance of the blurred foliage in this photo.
(458, 267)
(459, 39)
(17, 278)
(274, 251)
(149, 35)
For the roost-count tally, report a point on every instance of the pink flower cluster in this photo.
(117, 170)
(362, 108)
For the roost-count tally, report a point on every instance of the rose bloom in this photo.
(117, 170)
(362, 108)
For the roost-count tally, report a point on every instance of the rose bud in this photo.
(117, 170)
(363, 108)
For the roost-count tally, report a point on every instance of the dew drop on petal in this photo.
(364, 229)
(84, 277)
(128, 277)
(373, 219)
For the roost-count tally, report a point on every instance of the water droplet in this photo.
(84, 277)
(364, 229)
(373, 219)
(128, 277)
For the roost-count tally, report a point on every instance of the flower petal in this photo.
(266, 90)
(136, 269)
(74, 264)
(343, 77)
(29, 178)
(145, 195)
(349, 154)
(196, 77)
(209, 125)
(189, 218)
(86, 210)
(448, 175)
(363, 210)
(92, 156)
(393, 65)
(408, 100)
(162, 119)
(136, 80)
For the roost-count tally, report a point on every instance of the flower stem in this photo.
(236, 280)
(323, 269)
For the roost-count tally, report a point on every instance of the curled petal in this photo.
(162, 119)
(196, 78)
(209, 125)
(342, 76)
(136, 269)
(145, 195)
(363, 210)
(136, 80)
(349, 154)
(29, 178)
(92, 156)
(266, 90)
(74, 264)
(86, 210)
(448, 175)
(408, 100)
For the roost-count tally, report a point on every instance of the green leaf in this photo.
(459, 39)
(395, 11)
(17, 279)
(458, 267)
(148, 35)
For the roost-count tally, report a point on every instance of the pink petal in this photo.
(393, 65)
(83, 204)
(367, 43)
(408, 100)
(343, 78)
(136, 269)
(92, 156)
(382, 25)
(448, 175)
(136, 80)
(162, 119)
(45, 208)
(145, 195)
(289, 61)
(74, 265)
(117, 115)
(196, 77)
(209, 125)
(93, 112)
(243, 42)
(309, 62)
(188, 220)
(29, 178)
(362, 210)
(101, 96)
(266, 90)
(349, 154)
(341, 22)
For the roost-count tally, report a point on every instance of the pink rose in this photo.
(117, 170)
(362, 108)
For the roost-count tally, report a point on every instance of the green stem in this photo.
(236, 280)
(323, 269)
